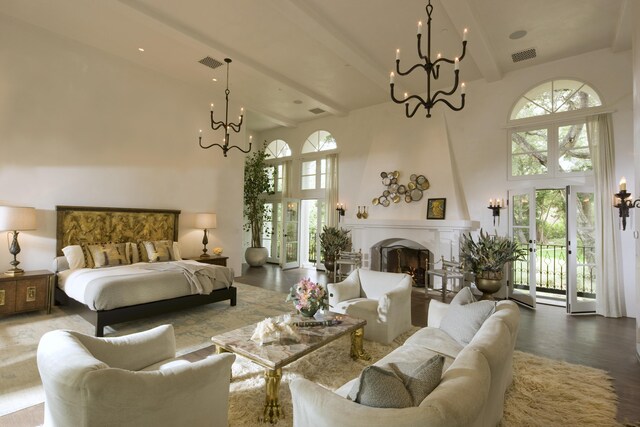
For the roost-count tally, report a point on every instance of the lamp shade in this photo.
(17, 218)
(206, 220)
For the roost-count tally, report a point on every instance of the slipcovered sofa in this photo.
(470, 393)
(133, 380)
(382, 299)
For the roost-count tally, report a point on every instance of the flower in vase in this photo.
(308, 296)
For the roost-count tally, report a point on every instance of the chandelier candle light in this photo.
(432, 68)
(215, 125)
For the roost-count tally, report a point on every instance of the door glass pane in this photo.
(551, 247)
(586, 245)
(520, 204)
(291, 242)
(573, 149)
(521, 268)
(268, 229)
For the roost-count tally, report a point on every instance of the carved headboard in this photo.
(86, 224)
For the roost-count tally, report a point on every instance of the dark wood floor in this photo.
(548, 331)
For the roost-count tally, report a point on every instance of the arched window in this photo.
(319, 141)
(552, 143)
(277, 149)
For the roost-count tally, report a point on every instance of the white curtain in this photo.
(609, 283)
(286, 179)
(331, 190)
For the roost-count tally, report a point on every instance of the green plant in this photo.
(333, 240)
(489, 253)
(257, 183)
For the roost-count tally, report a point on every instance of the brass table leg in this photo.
(357, 350)
(272, 410)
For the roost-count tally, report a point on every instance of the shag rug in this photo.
(544, 392)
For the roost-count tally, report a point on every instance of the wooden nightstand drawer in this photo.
(32, 294)
(7, 297)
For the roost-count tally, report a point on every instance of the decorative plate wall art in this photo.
(394, 192)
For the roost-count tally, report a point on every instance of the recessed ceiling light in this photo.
(214, 79)
(517, 34)
(297, 101)
(141, 49)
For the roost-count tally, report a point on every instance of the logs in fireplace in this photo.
(409, 260)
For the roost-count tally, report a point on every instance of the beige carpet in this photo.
(544, 393)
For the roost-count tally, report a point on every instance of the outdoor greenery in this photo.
(257, 183)
(489, 253)
(333, 240)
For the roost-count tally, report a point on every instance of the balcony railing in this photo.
(551, 270)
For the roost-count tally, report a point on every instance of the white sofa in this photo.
(132, 380)
(382, 299)
(471, 392)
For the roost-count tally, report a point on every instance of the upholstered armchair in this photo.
(382, 299)
(133, 380)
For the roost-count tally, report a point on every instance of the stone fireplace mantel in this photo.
(441, 237)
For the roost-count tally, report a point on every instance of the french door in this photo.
(272, 232)
(522, 275)
(290, 256)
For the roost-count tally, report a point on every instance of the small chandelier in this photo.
(432, 68)
(215, 125)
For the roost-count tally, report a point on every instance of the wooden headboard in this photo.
(87, 224)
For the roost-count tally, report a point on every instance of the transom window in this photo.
(314, 174)
(277, 149)
(319, 141)
(276, 173)
(557, 147)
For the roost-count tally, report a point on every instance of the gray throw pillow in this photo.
(397, 385)
(465, 296)
(461, 322)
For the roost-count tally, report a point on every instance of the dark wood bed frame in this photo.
(167, 229)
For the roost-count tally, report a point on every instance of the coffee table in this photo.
(274, 356)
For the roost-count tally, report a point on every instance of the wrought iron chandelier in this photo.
(432, 68)
(215, 125)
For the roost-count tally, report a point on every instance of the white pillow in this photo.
(176, 252)
(132, 252)
(75, 256)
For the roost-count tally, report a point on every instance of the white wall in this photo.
(635, 9)
(470, 144)
(81, 127)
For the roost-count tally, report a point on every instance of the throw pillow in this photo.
(397, 385)
(74, 256)
(461, 322)
(108, 254)
(159, 250)
(465, 296)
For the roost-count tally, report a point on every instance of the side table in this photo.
(213, 259)
(30, 291)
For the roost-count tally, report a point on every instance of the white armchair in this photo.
(382, 299)
(133, 380)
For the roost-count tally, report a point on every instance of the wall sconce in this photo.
(14, 220)
(623, 201)
(495, 209)
(206, 221)
(340, 208)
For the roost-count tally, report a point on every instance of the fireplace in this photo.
(412, 260)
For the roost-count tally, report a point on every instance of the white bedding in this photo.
(121, 286)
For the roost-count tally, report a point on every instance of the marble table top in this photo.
(280, 353)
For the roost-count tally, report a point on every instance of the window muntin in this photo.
(319, 141)
(277, 149)
(555, 97)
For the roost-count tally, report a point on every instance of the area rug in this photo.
(20, 385)
(544, 392)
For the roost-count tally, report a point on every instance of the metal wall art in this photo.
(396, 192)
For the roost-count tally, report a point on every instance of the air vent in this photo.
(317, 111)
(523, 55)
(210, 62)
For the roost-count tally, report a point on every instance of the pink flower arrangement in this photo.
(309, 296)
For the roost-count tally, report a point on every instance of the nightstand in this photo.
(30, 291)
(213, 259)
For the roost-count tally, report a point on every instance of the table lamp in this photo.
(206, 221)
(16, 219)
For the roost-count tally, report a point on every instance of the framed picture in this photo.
(436, 208)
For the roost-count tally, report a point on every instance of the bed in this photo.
(115, 294)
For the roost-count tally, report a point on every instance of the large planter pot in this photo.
(256, 257)
(488, 282)
(329, 264)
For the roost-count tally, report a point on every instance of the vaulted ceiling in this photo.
(293, 56)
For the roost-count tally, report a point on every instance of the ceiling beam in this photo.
(185, 33)
(622, 37)
(462, 17)
(321, 28)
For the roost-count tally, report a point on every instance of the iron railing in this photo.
(551, 270)
(312, 246)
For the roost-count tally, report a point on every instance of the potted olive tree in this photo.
(487, 257)
(257, 183)
(333, 240)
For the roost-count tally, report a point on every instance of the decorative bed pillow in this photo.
(75, 256)
(108, 254)
(397, 385)
(133, 255)
(462, 321)
(177, 256)
(159, 250)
